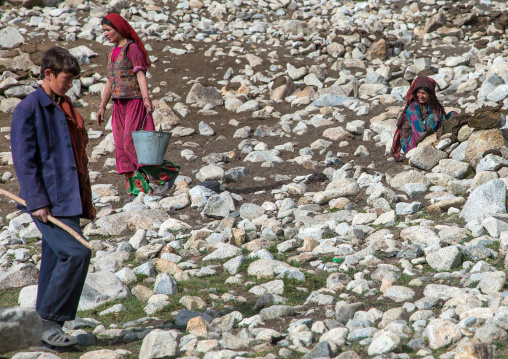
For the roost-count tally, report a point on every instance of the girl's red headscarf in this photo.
(126, 30)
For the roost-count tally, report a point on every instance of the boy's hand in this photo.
(100, 116)
(41, 214)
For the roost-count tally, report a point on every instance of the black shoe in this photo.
(164, 189)
(130, 199)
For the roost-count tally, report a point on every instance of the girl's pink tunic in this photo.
(128, 115)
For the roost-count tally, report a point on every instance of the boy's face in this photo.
(59, 84)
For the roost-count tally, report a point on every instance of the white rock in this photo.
(384, 343)
(224, 251)
(444, 259)
(10, 37)
(484, 201)
(442, 332)
(210, 172)
(160, 344)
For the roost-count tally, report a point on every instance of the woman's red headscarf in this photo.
(126, 30)
(421, 81)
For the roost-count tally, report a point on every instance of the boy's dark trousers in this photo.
(64, 266)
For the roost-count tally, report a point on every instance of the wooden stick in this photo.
(52, 219)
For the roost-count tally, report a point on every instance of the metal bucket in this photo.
(151, 146)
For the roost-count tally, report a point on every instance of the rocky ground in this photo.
(291, 232)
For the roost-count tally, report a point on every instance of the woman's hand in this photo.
(148, 104)
(100, 116)
(41, 214)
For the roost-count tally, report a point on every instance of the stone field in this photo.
(290, 232)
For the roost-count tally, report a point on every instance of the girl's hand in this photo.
(100, 116)
(148, 104)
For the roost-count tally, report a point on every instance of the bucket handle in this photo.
(146, 115)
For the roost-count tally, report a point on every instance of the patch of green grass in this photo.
(501, 347)
(470, 174)
(495, 246)
(468, 238)
(134, 308)
(131, 261)
(273, 249)
(497, 263)
(247, 309)
(134, 311)
(9, 297)
(329, 235)
(406, 349)
(427, 269)
(313, 282)
(245, 265)
(424, 214)
(327, 259)
(405, 279)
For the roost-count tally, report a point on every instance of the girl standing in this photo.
(128, 62)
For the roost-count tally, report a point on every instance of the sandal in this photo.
(162, 190)
(55, 337)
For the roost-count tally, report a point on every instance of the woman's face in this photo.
(422, 96)
(111, 34)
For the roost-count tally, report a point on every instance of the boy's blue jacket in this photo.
(43, 157)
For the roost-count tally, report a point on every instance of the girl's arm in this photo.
(137, 58)
(414, 117)
(143, 85)
(105, 98)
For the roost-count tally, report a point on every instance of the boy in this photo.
(48, 141)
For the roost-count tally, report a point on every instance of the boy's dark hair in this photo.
(105, 21)
(58, 59)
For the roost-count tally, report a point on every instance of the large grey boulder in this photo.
(251, 211)
(136, 219)
(426, 157)
(442, 332)
(385, 342)
(102, 287)
(444, 259)
(28, 297)
(19, 328)
(10, 37)
(82, 54)
(484, 201)
(160, 344)
(19, 276)
(491, 163)
(223, 251)
(21, 62)
(216, 207)
(321, 350)
(165, 284)
(184, 315)
(277, 311)
(19, 91)
(202, 95)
